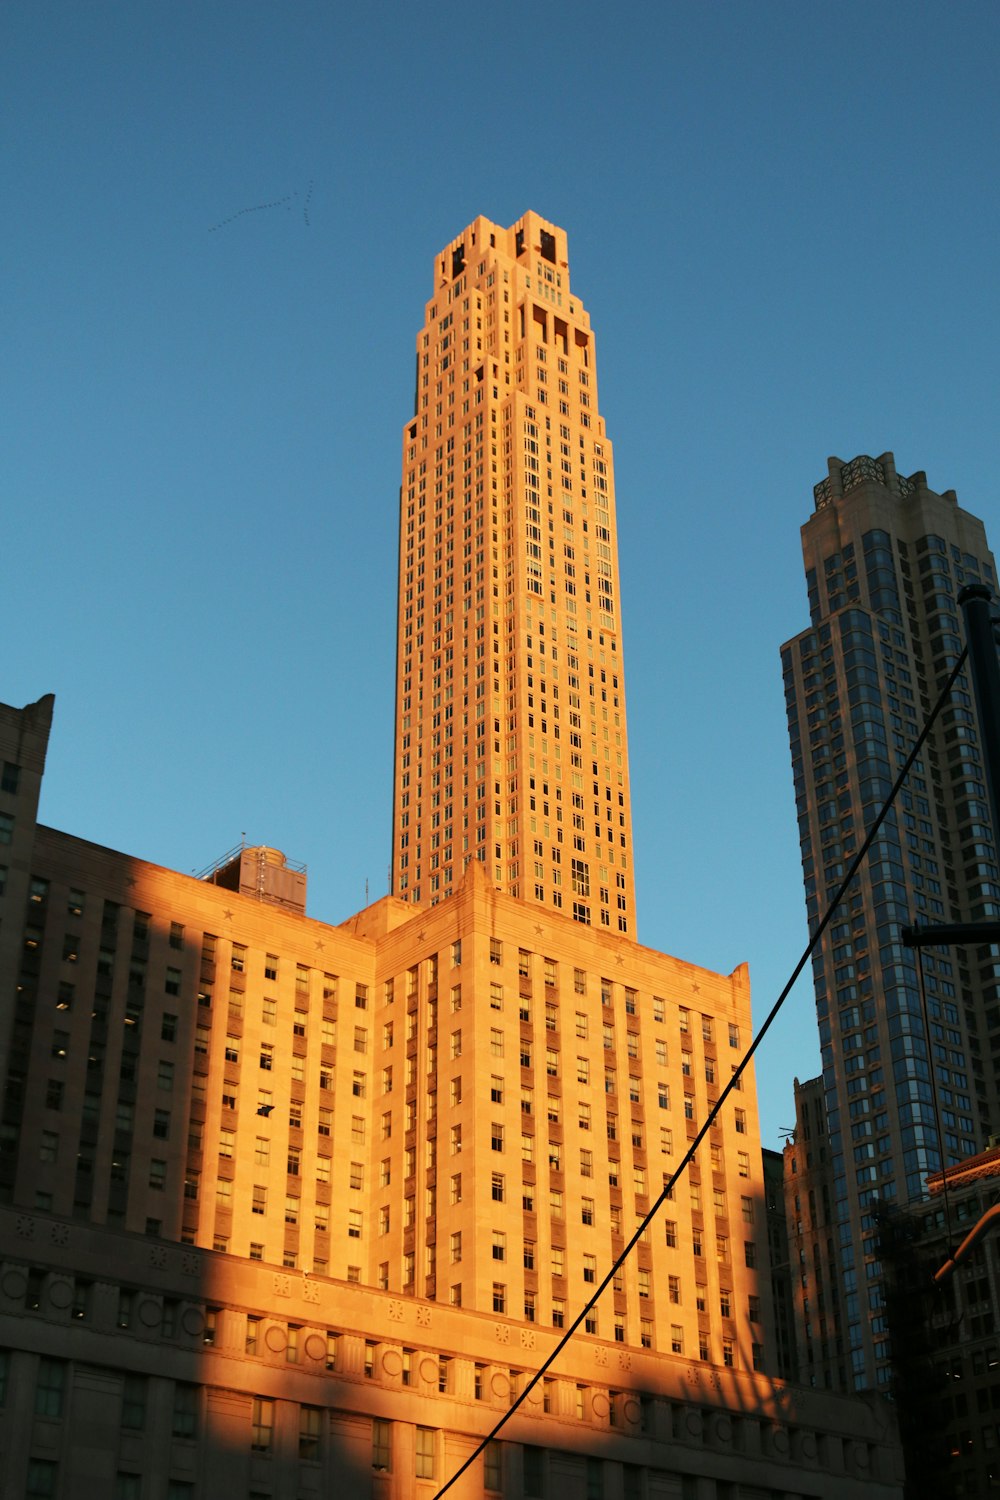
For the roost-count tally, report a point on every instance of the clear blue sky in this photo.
(783, 219)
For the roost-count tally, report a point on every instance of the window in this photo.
(134, 1403)
(425, 1453)
(42, 1472)
(310, 1420)
(496, 1042)
(499, 1297)
(381, 1446)
(499, 1245)
(185, 1416)
(534, 1473)
(354, 1224)
(492, 1467)
(49, 1388)
(590, 1268)
(261, 1424)
(496, 1136)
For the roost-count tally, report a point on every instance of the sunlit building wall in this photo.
(320, 1198)
(511, 744)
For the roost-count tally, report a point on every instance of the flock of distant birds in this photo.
(257, 208)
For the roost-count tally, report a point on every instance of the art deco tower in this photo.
(510, 700)
(885, 558)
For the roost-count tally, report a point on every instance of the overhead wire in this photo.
(733, 1084)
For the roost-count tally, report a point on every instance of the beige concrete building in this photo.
(285, 1197)
(284, 1203)
(510, 729)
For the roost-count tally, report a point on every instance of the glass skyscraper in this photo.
(885, 558)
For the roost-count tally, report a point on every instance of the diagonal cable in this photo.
(734, 1082)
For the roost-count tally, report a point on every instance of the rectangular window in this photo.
(42, 1472)
(134, 1403)
(310, 1427)
(185, 1414)
(492, 1467)
(261, 1425)
(425, 1452)
(49, 1388)
(534, 1473)
(381, 1446)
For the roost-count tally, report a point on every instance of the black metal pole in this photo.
(975, 601)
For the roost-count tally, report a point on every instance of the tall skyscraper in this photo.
(885, 558)
(510, 718)
(284, 1204)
